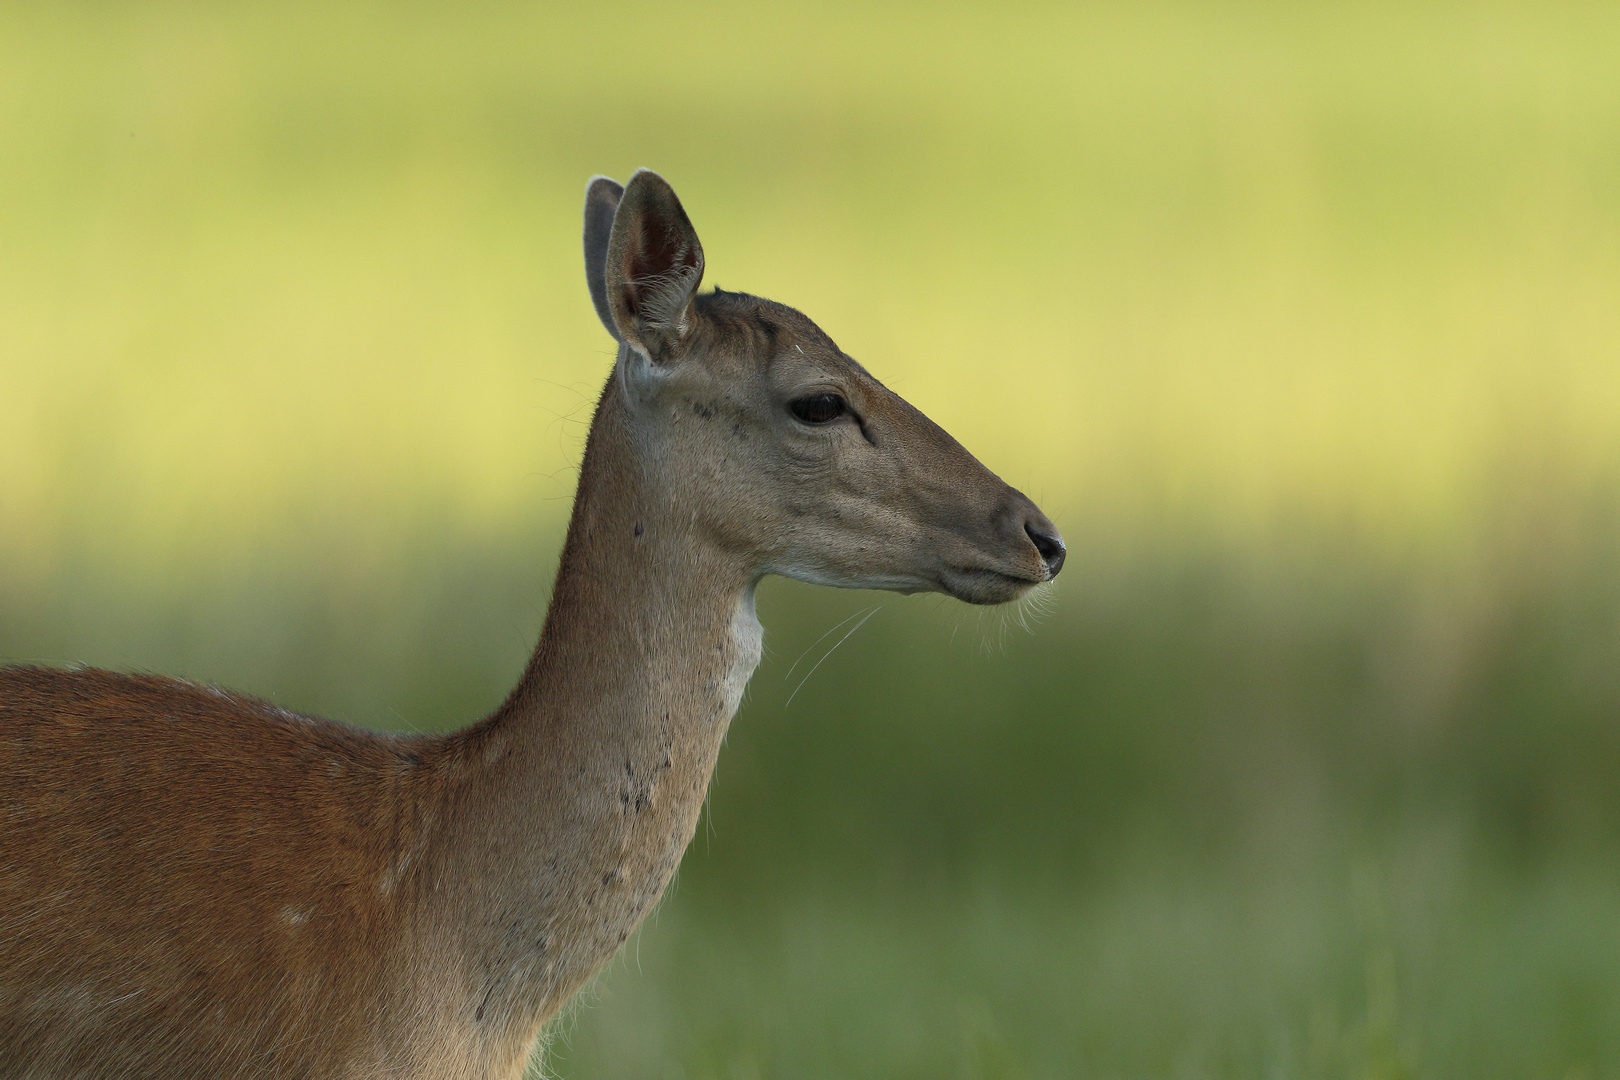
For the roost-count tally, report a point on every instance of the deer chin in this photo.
(983, 585)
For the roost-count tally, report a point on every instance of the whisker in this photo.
(828, 653)
(822, 638)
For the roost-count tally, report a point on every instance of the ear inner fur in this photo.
(653, 268)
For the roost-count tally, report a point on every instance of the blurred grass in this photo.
(1299, 319)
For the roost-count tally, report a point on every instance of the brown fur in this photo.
(194, 883)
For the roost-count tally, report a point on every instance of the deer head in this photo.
(778, 446)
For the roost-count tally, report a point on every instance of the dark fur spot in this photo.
(767, 328)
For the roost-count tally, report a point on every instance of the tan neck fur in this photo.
(589, 780)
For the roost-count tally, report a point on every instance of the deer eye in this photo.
(818, 408)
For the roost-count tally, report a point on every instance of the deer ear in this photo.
(601, 200)
(654, 264)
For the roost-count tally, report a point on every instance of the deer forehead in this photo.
(742, 331)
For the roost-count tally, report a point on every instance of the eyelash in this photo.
(819, 409)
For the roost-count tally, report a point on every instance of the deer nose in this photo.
(1044, 535)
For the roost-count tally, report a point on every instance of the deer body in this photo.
(198, 884)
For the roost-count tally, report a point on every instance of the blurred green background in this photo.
(1301, 320)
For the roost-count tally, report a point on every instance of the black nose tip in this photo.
(1047, 541)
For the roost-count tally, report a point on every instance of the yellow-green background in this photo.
(1301, 320)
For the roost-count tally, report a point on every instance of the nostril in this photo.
(1048, 543)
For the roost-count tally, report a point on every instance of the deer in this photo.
(196, 883)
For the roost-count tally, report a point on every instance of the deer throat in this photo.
(609, 795)
(649, 813)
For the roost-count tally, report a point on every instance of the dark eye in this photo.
(818, 408)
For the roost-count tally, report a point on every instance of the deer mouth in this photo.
(983, 585)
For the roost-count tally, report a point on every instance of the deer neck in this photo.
(586, 785)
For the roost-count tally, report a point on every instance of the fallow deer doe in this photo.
(198, 884)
